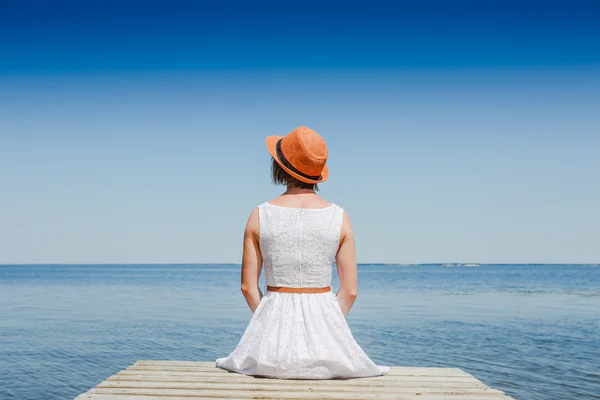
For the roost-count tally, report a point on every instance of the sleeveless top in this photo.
(299, 245)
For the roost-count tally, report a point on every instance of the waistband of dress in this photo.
(282, 289)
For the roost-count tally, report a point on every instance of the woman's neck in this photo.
(295, 190)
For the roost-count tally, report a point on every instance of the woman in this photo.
(299, 330)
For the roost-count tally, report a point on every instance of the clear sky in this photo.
(458, 131)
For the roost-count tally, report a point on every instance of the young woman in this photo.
(299, 330)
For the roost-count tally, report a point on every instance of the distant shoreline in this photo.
(450, 264)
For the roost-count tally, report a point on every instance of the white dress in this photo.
(299, 335)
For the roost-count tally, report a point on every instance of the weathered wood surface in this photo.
(186, 380)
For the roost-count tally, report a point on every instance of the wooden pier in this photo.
(186, 380)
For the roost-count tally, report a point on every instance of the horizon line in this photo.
(359, 263)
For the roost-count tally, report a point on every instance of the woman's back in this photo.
(299, 245)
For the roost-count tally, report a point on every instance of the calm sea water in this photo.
(532, 331)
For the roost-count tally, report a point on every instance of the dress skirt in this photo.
(299, 336)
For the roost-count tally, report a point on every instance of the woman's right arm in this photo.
(346, 267)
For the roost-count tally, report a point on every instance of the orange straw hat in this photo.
(302, 154)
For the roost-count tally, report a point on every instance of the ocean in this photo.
(532, 331)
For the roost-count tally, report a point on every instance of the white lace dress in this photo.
(299, 335)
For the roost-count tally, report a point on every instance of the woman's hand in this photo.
(251, 262)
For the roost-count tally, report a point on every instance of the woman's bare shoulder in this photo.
(346, 224)
(253, 221)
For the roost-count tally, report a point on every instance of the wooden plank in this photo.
(371, 382)
(296, 387)
(173, 375)
(283, 394)
(90, 396)
(393, 371)
(226, 375)
(212, 364)
(222, 388)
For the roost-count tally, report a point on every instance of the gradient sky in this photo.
(458, 131)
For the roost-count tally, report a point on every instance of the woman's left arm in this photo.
(251, 262)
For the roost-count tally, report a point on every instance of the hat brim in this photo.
(271, 143)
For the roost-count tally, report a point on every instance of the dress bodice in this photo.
(298, 245)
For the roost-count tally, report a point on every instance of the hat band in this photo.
(288, 165)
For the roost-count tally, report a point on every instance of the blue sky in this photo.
(458, 131)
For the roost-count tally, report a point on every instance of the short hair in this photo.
(280, 177)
